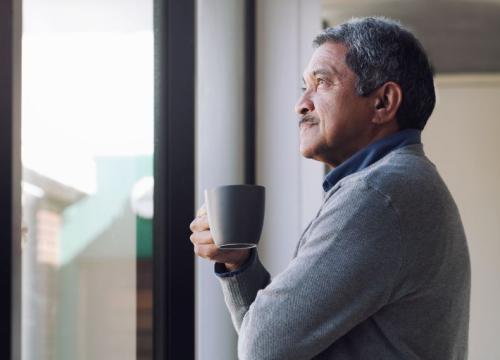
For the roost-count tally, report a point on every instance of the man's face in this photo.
(335, 121)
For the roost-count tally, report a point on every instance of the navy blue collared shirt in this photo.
(370, 154)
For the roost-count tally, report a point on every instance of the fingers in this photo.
(203, 242)
(200, 223)
(201, 238)
(212, 252)
(206, 251)
(201, 211)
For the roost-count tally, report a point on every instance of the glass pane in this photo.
(87, 152)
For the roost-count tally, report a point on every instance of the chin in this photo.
(307, 152)
(315, 152)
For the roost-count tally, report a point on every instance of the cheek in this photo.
(330, 120)
(342, 112)
(328, 107)
(324, 112)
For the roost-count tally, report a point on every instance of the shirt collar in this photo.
(370, 154)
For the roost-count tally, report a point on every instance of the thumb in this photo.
(201, 211)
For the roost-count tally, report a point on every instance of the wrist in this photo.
(232, 266)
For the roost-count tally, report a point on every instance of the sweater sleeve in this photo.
(240, 287)
(343, 273)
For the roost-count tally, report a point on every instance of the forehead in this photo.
(329, 56)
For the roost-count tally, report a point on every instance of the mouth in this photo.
(307, 124)
(307, 121)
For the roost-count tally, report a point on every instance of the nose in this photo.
(304, 105)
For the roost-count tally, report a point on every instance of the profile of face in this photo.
(335, 121)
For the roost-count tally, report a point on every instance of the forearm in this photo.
(240, 287)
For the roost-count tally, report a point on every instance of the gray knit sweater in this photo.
(381, 272)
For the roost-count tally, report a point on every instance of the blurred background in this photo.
(87, 155)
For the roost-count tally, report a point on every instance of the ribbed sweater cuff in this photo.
(240, 286)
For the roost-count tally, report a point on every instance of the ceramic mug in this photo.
(235, 215)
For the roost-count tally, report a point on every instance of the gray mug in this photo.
(235, 215)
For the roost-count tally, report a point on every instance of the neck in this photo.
(372, 135)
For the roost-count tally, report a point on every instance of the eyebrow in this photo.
(323, 71)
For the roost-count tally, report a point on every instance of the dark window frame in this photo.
(6, 115)
(174, 302)
(250, 83)
(10, 197)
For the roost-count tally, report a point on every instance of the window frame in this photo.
(10, 184)
(174, 301)
(173, 323)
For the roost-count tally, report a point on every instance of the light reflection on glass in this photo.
(87, 152)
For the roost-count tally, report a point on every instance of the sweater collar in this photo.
(370, 154)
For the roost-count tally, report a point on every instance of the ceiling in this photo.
(459, 36)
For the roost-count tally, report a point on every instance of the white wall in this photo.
(219, 151)
(285, 29)
(462, 139)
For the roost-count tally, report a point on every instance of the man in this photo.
(382, 271)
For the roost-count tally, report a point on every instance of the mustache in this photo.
(308, 118)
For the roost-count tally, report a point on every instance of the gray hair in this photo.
(382, 50)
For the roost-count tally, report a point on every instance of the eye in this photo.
(321, 81)
(303, 89)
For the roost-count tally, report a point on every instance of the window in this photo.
(87, 183)
(98, 269)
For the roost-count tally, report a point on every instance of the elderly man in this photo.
(383, 270)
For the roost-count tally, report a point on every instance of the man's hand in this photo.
(205, 247)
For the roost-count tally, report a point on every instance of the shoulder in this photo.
(402, 175)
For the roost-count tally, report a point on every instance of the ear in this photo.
(386, 101)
